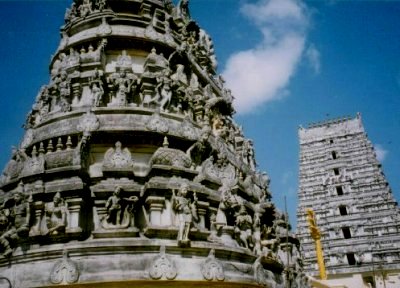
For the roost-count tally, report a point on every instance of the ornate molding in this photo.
(65, 271)
(162, 267)
(212, 269)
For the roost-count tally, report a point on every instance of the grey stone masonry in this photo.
(132, 170)
(342, 181)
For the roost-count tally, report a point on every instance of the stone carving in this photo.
(118, 158)
(243, 228)
(179, 85)
(262, 276)
(104, 28)
(93, 55)
(71, 13)
(56, 214)
(97, 92)
(162, 267)
(15, 165)
(170, 157)
(119, 211)
(85, 8)
(88, 123)
(39, 110)
(164, 92)
(201, 149)
(182, 10)
(186, 211)
(212, 269)
(124, 61)
(100, 5)
(64, 271)
(121, 85)
(18, 213)
(33, 164)
(187, 129)
(248, 153)
(157, 123)
(229, 205)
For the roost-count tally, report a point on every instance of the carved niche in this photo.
(117, 159)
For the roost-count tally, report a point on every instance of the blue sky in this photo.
(288, 62)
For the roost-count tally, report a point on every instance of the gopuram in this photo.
(132, 171)
(357, 219)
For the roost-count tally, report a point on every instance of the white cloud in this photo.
(313, 57)
(380, 152)
(261, 74)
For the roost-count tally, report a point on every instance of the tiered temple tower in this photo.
(358, 218)
(132, 170)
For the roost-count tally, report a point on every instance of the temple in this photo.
(355, 214)
(132, 171)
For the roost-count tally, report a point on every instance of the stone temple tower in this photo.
(132, 170)
(343, 183)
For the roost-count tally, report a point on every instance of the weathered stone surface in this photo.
(132, 163)
(342, 181)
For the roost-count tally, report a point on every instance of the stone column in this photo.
(202, 208)
(74, 208)
(156, 205)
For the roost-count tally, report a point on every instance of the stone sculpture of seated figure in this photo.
(56, 215)
(18, 213)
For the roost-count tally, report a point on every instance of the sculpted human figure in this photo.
(56, 215)
(97, 93)
(18, 212)
(186, 212)
(86, 8)
(201, 149)
(119, 210)
(122, 83)
(164, 92)
(243, 228)
(230, 203)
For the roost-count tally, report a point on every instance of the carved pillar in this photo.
(99, 212)
(74, 207)
(38, 214)
(202, 208)
(156, 205)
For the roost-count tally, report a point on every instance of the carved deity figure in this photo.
(243, 228)
(182, 10)
(201, 149)
(248, 153)
(85, 8)
(186, 212)
(97, 93)
(56, 215)
(17, 210)
(100, 5)
(117, 157)
(124, 60)
(230, 204)
(15, 165)
(119, 210)
(164, 92)
(122, 84)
